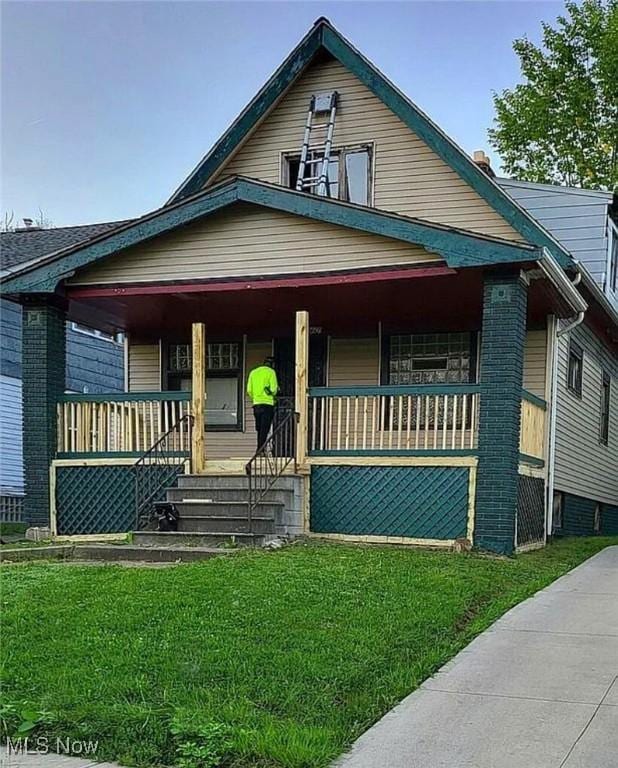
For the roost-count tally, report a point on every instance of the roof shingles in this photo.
(27, 245)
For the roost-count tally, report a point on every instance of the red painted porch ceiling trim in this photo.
(257, 284)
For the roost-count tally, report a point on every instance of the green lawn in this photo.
(275, 659)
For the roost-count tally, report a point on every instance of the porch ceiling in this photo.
(424, 303)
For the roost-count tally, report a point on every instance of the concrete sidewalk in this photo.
(538, 689)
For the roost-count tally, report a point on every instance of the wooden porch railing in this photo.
(400, 418)
(122, 423)
(532, 431)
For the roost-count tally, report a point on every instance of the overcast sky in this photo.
(107, 106)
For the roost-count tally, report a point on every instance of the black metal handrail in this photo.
(271, 460)
(158, 468)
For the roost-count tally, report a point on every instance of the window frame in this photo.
(597, 523)
(340, 152)
(95, 333)
(604, 407)
(223, 373)
(385, 360)
(557, 511)
(575, 351)
(611, 282)
(386, 355)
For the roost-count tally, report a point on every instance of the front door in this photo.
(285, 368)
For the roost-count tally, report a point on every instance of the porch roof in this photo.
(459, 247)
(424, 298)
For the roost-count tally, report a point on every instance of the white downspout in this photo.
(556, 333)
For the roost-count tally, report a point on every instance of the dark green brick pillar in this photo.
(502, 366)
(43, 380)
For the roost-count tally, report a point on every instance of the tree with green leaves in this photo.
(561, 124)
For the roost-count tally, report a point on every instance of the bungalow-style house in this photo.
(94, 361)
(416, 313)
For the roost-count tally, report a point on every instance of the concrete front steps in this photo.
(213, 520)
(119, 553)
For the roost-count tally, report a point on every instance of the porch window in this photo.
(349, 174)
(575, 369)
(223, 381)
(605, 398)
(428, 358)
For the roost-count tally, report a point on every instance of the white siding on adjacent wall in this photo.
(409, 178)
(11, 452)
(583, 466)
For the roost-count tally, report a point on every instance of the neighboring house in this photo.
(585, 222)
(413, 308)
(94, 360)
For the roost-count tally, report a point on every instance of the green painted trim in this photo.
(419, 389)
(534, 399)
(43, 277)
(395, 452)
(127, 397)
(273, 89)
(441, 144)
(117, 454)
(324, 35)
(459, 248)
(531, 460)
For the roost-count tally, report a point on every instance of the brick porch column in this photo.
(501, 379)
(43, 380)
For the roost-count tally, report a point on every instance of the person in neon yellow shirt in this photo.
(262, 388)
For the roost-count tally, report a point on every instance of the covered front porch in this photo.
(381, 375)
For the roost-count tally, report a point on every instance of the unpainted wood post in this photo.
(198, 398)
(301, 391)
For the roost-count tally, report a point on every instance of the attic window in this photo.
(349, 174)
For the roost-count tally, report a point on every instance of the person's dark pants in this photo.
(263, 421)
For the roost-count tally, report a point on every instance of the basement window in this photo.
(558, 511)
(349, 174)
(596, 524)
(575, 368)
(605, 399)
(223, 381)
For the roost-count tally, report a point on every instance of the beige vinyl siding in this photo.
(583, 466)
(353, 362)
(535, 352)
(409, 178)
(144, 375)
(249, 241)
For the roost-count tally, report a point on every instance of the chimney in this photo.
(29, 226)
(483, 162)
